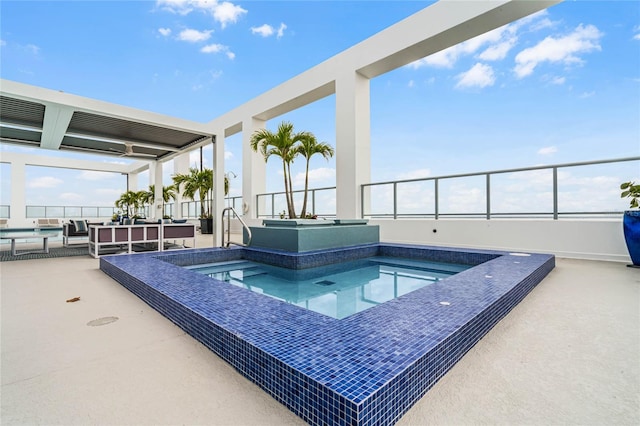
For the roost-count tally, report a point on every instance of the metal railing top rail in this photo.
(296, 191)
(501, 171)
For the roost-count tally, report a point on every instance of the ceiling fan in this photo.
(129, 152)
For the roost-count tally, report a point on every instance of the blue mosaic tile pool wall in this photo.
(366, 369)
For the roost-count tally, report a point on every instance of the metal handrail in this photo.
(244, 226)
(487, 212)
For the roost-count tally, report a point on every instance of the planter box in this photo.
(303, 235)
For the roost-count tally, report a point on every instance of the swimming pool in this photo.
(366, 369)
(336, 290)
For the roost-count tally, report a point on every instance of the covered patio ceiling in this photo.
(48, 119)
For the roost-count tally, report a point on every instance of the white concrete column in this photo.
(132, 181)
(155, 178)
(180, 166)
(254, 170)
(218, 188)
(353, 150)
(18, 211)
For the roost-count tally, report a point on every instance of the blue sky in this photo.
(560, 86)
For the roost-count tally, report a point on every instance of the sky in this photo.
(559, 86)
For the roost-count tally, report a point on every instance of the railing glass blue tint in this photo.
(320, 202)
(68, 211)
(5, 212)
(586, 189)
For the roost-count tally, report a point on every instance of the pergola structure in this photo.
(55, 120)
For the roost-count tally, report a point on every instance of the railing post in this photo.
(555, 193)
(273, 205)
(436, 195)
(313, 201)
(395, 200)
(361, 201)
(488, 196)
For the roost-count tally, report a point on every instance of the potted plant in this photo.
(198, 182)
(631, 221)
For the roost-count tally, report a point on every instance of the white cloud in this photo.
(70, 196)
(558, 80)
(227, 12)
(223, 12)
(500, 41)
(480, 75)
(585, 95)
(109, 192)
(228, 155)
(498, 51)
(218, 48)
(547, 150)
(281, 29)
(3, 43)
(317, 176)
(95, 175)
(213, 48)
(414, 174)
(411, 83)
(583, 39)
(637, 31)
(164, 31)
(44, 182)
(265, 30)
(194, 36)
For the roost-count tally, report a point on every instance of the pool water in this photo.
(337, 290)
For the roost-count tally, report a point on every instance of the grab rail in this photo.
(244, 226)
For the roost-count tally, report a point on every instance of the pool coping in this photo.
(366, 369)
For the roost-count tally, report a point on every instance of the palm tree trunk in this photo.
(303, 214)
(286, 188)
(293, 206)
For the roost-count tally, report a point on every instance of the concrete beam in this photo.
(55, 125)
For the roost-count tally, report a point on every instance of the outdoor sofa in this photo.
(76, 229)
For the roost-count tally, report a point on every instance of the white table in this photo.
(14, 237)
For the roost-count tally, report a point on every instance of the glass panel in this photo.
(90, 212)
(416, 199)
(379, 200)
(520, 193)
(73, 211)
(595, 188)
(465, 196)
(54, 211)
(36, 211)
(105, 212)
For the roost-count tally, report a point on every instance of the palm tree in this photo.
(129, 201)
(281, 144)
(168, 193)
(308, 147)
(196, 181)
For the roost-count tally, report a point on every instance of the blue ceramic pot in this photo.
(631, 226)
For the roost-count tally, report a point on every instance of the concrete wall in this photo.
(582, 239)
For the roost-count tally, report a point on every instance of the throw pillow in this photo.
(81, 225)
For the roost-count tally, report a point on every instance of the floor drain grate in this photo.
(325, 282)
(102, 321)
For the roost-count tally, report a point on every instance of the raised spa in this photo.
(367, 368)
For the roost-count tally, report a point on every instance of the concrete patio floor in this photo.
(568, 354)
